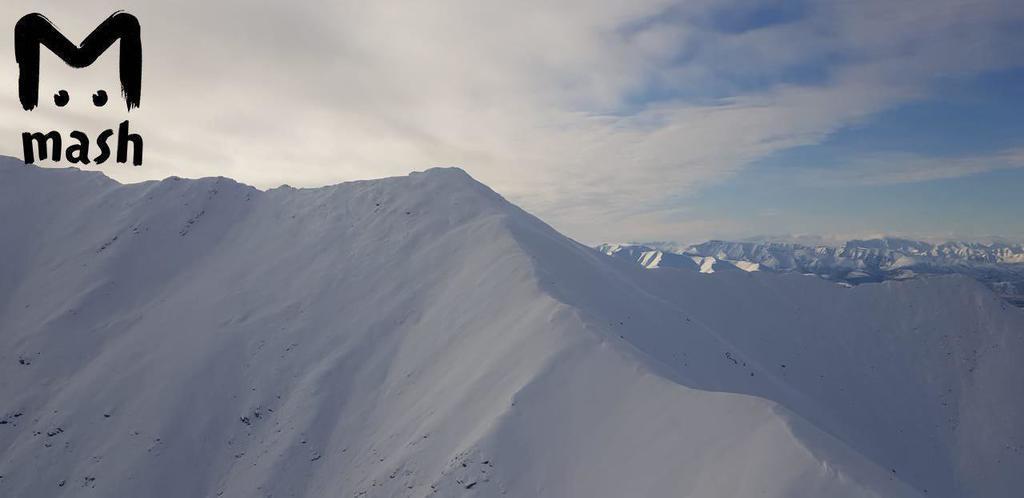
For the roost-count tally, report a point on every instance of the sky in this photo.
(612, 120)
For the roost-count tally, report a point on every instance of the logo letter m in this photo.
(34, 30)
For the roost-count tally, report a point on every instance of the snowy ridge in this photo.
(420, 336)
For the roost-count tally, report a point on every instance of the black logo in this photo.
(35, 30)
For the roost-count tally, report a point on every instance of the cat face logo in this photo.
(35, 30)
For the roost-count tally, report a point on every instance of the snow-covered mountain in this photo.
(420, 336)
(998, 265)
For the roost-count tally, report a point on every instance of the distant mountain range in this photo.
(998, 265)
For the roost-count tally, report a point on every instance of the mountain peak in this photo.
(448, 172)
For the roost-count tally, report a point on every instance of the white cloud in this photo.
(539, 99)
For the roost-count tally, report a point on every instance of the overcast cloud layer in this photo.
(596, 115)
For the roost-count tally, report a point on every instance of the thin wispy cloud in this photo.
(899, 168)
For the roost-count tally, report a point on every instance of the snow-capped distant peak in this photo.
(998, 264)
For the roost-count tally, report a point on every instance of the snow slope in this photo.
(420, 336)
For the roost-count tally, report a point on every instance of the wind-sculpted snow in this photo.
(420, 336)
